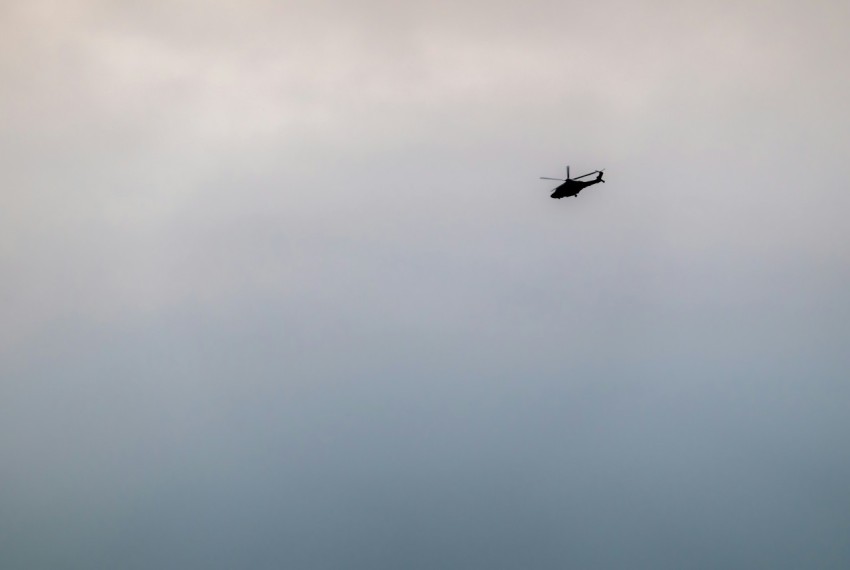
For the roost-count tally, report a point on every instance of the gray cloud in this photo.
(282, 289)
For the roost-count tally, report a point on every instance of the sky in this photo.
(282, 287)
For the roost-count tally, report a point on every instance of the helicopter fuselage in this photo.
(572, 188)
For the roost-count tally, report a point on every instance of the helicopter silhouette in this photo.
(572, 186)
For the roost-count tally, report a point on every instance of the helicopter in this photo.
(572, 186)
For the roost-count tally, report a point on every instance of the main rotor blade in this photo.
(585, 175)
(547, 178)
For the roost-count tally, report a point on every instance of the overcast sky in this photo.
(281, 287)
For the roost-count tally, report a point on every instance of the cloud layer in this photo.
(282, 289)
